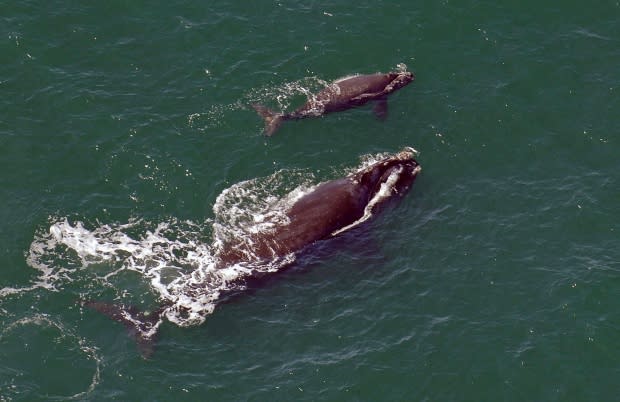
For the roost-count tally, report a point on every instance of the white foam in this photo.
(287, 93)
(401, 67)
(173, 256)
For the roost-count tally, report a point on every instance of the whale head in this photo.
(399, 79)
(389, 177)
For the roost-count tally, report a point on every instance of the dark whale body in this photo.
(329, 209)
(342, 94)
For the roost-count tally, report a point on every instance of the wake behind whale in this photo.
(172, 257)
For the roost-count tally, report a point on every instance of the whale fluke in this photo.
(272, 119)
(141, 325)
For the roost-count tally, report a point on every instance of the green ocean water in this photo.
(495, 278)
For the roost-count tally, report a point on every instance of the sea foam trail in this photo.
(175, 257)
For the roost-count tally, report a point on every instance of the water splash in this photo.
(285, 95)
(176, 258)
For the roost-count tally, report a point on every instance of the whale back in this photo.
(356, 85)
(315, 216)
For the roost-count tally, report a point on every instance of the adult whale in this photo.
(326, 211)
(342, 94)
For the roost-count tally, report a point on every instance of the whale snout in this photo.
(401, 79)
(406, 76)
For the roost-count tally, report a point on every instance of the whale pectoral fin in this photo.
(380, 108)
(363, 98)
(141, 326)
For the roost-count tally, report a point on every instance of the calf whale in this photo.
(342, 94)
(325, 211)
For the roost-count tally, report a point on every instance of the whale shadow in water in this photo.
(342, 94)
(330, 209)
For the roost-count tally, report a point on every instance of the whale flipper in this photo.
(381, 108)
(272, 119)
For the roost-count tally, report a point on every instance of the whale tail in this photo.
(272, 119)
(141, 326)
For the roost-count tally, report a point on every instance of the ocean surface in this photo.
(128, 147)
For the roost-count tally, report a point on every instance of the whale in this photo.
(326, 211)
(342, 94)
